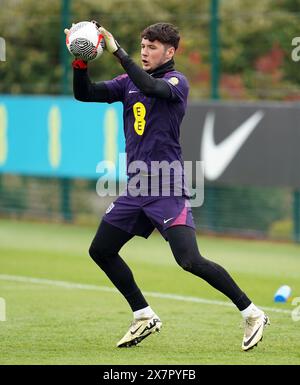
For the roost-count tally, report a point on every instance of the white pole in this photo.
(2, 49)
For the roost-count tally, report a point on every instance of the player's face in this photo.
(154, 54)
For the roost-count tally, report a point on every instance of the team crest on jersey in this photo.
(173, 80)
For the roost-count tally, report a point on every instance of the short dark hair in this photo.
(166, 33)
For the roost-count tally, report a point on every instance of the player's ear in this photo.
(170, 52)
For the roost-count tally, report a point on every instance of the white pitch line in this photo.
(81, 286)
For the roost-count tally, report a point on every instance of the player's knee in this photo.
(184, 262)
(186, 265)
(93, 252)
(99, 253)
(188, 260)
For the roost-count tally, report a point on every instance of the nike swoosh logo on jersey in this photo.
(216, 157)
(246, 343)
(132, 91)
(167, 220)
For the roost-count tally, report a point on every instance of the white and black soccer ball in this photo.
(84, 41)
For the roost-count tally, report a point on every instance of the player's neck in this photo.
(162, 69)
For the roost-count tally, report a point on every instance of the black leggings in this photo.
(182, 239)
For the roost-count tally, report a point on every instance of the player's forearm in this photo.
(144, 82)
(86, 91)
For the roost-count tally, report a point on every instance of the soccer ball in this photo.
(84, 41)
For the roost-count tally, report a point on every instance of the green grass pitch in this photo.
(48, 322)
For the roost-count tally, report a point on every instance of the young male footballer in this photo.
(154, 98)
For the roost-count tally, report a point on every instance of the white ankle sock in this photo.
(250, 310)
(146, 312)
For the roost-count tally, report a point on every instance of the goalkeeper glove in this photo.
(66, 30)
(111, 43)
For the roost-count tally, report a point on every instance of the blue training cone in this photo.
(282, 294)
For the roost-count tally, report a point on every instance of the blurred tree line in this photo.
(255, 43)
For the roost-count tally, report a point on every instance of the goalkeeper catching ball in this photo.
(154, 98)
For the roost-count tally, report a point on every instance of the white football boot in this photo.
(139, 329)
(254, 327)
